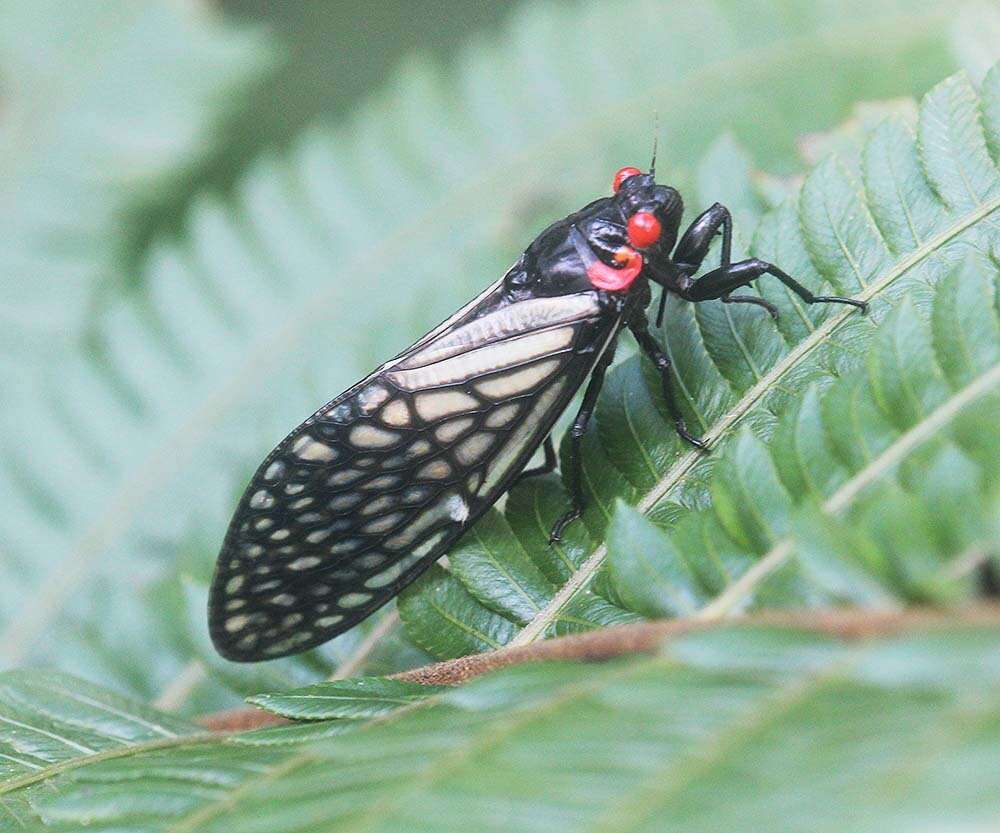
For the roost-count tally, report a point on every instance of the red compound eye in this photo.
(622, 175)
(643, 229)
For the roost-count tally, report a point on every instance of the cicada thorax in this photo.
(374, 487)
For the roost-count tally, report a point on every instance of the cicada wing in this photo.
(368, 492)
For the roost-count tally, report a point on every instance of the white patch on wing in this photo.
(396, 413)
(371, 397)
(392, 572)
(451, 506)
(472, 449)
(306, 448)
(343, 477)
(457, 508)
(515, 444)
(371, 436)
(432, 405)
(434, 470)
(492, 357)
(453, 429)
(524, 316)
(504, 415)
(505, 385)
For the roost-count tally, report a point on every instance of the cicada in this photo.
(379, 483)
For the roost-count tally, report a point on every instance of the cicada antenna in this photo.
(656, 141)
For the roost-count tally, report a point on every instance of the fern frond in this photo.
(333, 257)
(924, 202)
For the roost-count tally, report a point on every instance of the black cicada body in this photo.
(374, 487)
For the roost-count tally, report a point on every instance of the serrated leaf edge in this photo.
(537, 627)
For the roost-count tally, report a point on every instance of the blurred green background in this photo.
(329, 56)
(215, 216)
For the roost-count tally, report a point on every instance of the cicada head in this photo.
(651, 212)
(606, 245)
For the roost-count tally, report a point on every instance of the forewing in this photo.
(363, 496)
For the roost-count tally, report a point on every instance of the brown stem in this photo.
(240, 720)
(646, 637)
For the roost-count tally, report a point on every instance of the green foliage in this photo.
(881, 484)
(52, 722)
(105, 108)
(444, 619)
(854, 458)
(887, 421)
(354, 699)
(330, 258)
(754, 728)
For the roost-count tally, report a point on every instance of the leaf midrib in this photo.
(537, 627)
(638, 804)
(495, 731)
(922, 431)
(730, 733)
(60, 582)
(498, 564)
(125, 751)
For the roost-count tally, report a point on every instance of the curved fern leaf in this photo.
(882, 487)
(889, 239)
(644, 743)
(52, 723)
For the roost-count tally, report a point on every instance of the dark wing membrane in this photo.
(368, 492)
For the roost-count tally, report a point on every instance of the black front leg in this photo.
(576, 433)
(694, 244)
(547, 466)
(640, 329)
(720, 282)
